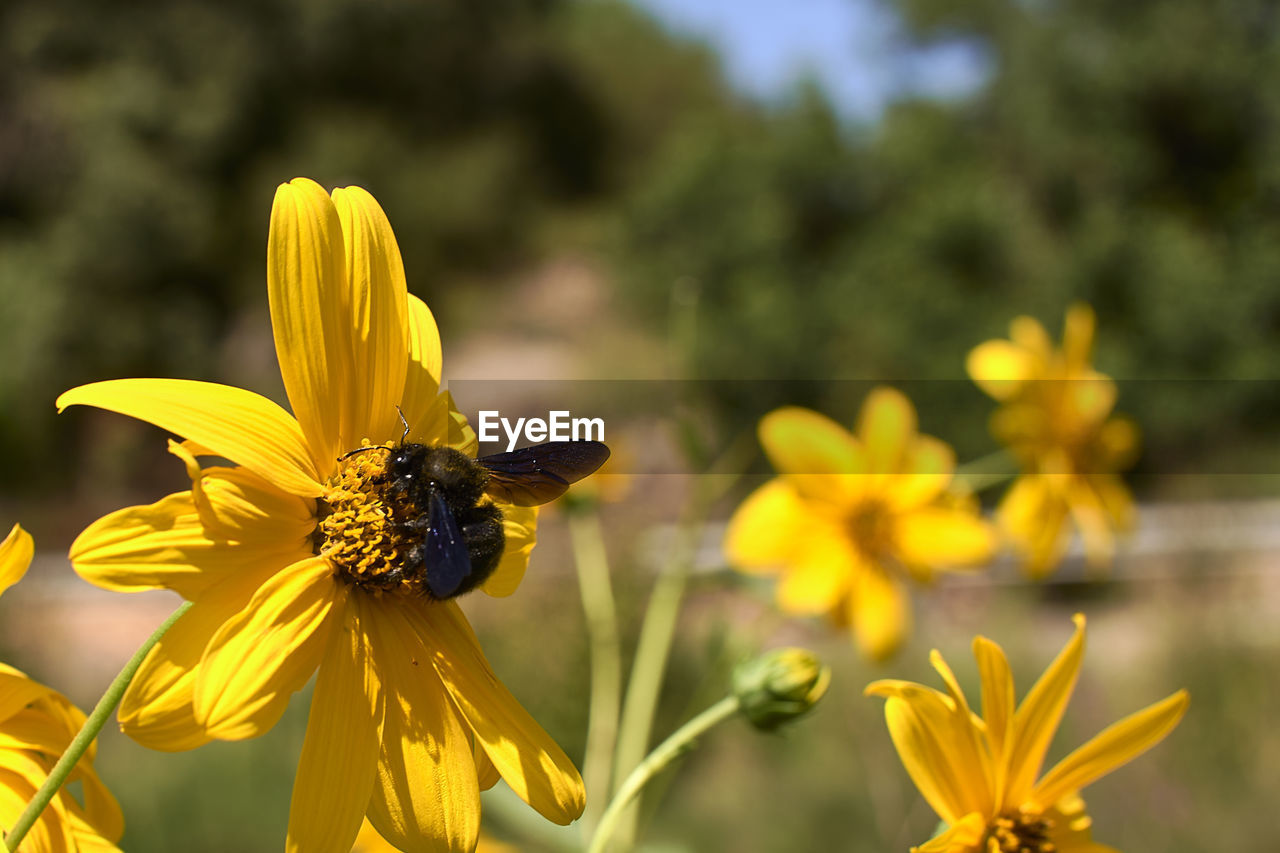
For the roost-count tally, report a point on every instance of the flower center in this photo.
(871, 528)
(364, 531)
(410, 520)
(1020, 832)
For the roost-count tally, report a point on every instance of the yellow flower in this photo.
(1055, 417)
(299, 558)
(36, 726)
(979, 774)
(853, 516)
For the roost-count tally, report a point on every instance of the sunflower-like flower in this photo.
(852, 517)
(36, 726)
(305, 557)
(1055, 415)
(980, 774)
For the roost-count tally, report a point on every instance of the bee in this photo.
(457, 536)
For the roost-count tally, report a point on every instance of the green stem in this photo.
(987, 471)
(88, 732)
(592, 563)
(680, 742)
(657, 632)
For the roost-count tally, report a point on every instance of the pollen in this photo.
(1020, 832)
(361, 530)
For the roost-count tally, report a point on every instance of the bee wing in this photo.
(541, 473)
(447, 560)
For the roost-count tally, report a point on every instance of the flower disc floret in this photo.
(362, 534)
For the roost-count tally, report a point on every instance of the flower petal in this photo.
(267, 651)
(820, 575)
(422, 373)
(532, 764)
(16, 552)
(158, 708)
(377, 309)
(1000, 368)
(1114, 746)
(918, 724)
(307, 291)
(961, 837)
(1038, 716)
(766, 528)
(945, 538)
(48, 834)
(997, 708)
(519, 527)
(927, 470)
(340, 753)
(1077, 338)
(426, 796)
(880, 611)
(887, 427)
(242, 426)
(17, 691)
(166, 546)
(819, 456)
(1033, 520)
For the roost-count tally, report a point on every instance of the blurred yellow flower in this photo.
(979, 774)
(852, 517)
(297, 559)
(36, 726)
(1055, 415)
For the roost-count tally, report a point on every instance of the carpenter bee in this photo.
(438, 495)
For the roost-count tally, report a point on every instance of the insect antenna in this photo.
(403, 436)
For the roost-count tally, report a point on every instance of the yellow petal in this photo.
(48, 834)
(927, 470)
(1038, 716)
(918, 726)
(532, 764)
(236, 504)
(1027, 333)
(1117, 444)
(519, 527)
(87, 837)
(965, 746)
(1000, 368)
(880, 613)
(820, 575)
(766, 528)
(242, 426)
(17, 691)
(16, 552)
(1032, 519)
(1114, 746)
(308, 293)
(158, 708)
(1091, 520)
(887, 427)
(426, 796)
(1077, 337)
(997, 708)
(963, 837)
(818, 455)
(166, 546)
(945, 538)
(377, 310)
(422, 373)
(340, 753)
(102, 812)
(267, 651)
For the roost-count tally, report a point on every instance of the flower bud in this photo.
(779, 685)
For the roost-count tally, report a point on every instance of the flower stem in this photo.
(88, 732)
(592, 563)
(680, 742)
(657, 631)
(987, 471)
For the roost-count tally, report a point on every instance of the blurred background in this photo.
(699, 190)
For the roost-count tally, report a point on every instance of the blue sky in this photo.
(852, 46)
